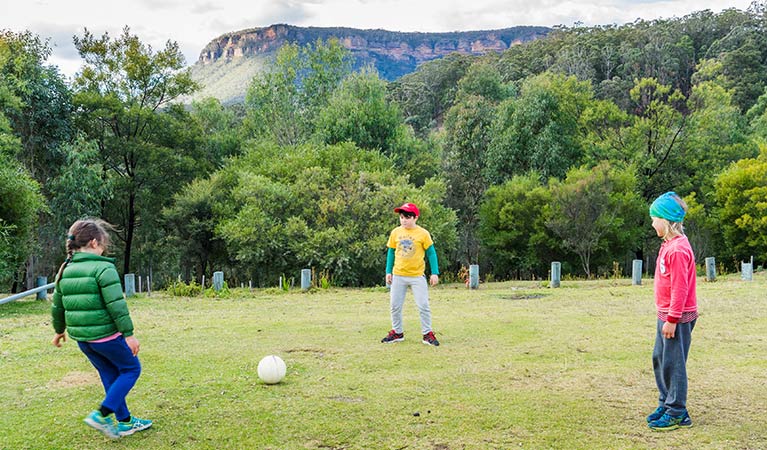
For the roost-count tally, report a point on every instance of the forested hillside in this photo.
(549, 151)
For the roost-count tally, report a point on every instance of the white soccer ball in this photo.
(271, 369)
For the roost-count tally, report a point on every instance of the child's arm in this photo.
(389, 264)
(57, 311)
(112, 293)
(57, 318)
(431, 255)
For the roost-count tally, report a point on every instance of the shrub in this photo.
(180, 289)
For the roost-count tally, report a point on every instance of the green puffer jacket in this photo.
(88, 301)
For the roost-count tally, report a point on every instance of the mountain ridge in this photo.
(228, 62)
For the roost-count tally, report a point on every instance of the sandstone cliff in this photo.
(228, 62)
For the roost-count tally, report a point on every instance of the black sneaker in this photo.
(393, 336)
(429, 339)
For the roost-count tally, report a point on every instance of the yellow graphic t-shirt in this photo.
(410, 249)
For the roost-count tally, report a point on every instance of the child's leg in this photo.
(673, 368)
(129, 369)
(107, 371)
(397, 296)
(421, 293)
(676, 401)
(657, 366)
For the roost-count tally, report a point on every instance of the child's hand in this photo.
(434, 279)
(58, 338)
(668, 330)
(133, 344)
(388, 278)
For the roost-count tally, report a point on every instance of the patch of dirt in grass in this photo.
(320, 352)
(74, 379)
(341, 398)
(319, 444)
(522, 296)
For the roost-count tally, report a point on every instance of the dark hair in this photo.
(407, 214)
(80, 234)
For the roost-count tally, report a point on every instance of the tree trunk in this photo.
(131, 225)
(30, 271)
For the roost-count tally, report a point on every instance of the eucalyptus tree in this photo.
(424, 96)
(466, 141)
(741, 193)
(41, 118)
(283, 101)
(596, 213)
(539, 130)
(513, 229)
(119, 94)
(20, 199)
(21, 203)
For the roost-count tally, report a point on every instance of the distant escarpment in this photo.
(228, 63)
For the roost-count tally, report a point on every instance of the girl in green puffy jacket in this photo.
(88, 303)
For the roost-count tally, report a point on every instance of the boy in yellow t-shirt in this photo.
(405, 266)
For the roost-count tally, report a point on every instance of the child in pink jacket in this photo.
(677, 308)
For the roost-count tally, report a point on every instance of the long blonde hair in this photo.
(80, 234)
(671, 229)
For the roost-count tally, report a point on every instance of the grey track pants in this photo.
(420, 289)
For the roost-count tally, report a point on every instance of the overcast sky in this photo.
(194, 23)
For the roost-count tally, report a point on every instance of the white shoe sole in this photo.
(133, 430)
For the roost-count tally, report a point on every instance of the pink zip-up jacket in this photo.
(675, 296)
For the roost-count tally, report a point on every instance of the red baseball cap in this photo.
(408, 207)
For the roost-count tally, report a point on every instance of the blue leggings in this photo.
(118, 369)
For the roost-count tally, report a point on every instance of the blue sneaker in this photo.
(668, 422)
(657, 414)
(135, 424)
(106, 425)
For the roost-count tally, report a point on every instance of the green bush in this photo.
(223, 293)
(180, 289)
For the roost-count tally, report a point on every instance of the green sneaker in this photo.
(106, 425)
(135, 424)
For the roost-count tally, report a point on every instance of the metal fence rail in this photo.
(13, 297)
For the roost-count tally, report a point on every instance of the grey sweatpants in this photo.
(669, 362)
(420, 292)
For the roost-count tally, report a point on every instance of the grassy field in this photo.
(520, 366)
